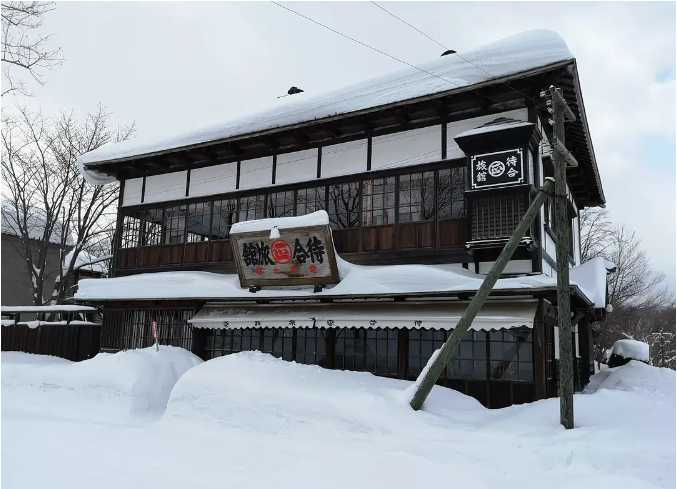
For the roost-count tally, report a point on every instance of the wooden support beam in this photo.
(446, 352)
(556, 98)
(564, 153)
(562, 225)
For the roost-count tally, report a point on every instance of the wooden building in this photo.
(423, 177)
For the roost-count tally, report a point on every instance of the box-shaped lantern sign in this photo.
(292, 256)
(497, 169)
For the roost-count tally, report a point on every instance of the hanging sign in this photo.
(497, 169)
(294, 256)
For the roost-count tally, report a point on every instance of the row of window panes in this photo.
(373, 202)
(497, 355)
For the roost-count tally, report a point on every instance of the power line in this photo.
(364, 44)
(482, 69)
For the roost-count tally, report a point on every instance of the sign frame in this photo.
(474, 185)
(323, 231)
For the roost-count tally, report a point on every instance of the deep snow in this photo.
(250, 420)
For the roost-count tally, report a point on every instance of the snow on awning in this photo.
(415, 315)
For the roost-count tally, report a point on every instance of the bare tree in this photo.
(596, 229)
(47, 197)
(24, 47)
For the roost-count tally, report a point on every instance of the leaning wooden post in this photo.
(562, 231)
(425, 385)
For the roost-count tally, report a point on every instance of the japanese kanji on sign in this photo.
(299, 256)
(497, 169)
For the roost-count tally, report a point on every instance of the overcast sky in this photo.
(174, 66)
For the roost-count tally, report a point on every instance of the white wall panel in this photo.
(457, 127)
(168, 186)
(211, 180)
(513, 266)
(296, 167)
(256, 173)
(344, 158)
(407, 148)
(132, 195)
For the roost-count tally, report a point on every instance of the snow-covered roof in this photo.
(35, 223)
(493, 126)
(513, 55)
(317, 218)
(86, 261)
(356, 281)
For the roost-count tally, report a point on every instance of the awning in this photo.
(414, 315)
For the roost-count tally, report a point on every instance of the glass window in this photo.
(198, 222)
(152, 227)
(351, 349)
(281, 204)
(309, 200)
(510, 355)
(252, 207)
(417, 197)
(450, 193)
(175, 225)
(311, 346)
(378, 201)
(131, 229)
(224, 216)
(344, 205)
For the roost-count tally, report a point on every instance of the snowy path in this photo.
(249, 420)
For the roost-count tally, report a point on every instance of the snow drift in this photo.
(256, 391)
(129, 382)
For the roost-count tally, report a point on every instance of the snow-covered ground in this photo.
(144, 419)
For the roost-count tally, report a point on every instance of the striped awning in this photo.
(493, 316)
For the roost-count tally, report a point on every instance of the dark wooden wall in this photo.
(73, 342)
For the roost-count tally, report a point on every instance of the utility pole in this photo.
(446, 352)
(559, 110)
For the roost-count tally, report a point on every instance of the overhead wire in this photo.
(447, 49)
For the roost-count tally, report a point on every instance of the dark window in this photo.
(279, 342)
(344, 205)
(252, 207)
(451, 193)
(381, 347)
(378, 201)
(131, 229)
(351, 349)
(175, 225)
(422, 344)
(310, 199)
(197, 223)
(470, 360)
(311, 346)
(281, 204)
(510, 355)
(225, 215)
(417, 197)
(152, 227)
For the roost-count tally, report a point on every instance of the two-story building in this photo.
(423, 174)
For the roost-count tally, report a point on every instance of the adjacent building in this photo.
(423, 175)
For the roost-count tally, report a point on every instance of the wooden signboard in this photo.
(497, 169)
(299, 256)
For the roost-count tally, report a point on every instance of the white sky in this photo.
(174, 66)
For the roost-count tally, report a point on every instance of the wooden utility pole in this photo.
(560, 111)
(425, 385)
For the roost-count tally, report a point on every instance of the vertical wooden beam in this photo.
(319, 162)
(566, 367)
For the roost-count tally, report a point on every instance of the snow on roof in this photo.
(513, 55)
(356, 280)
(317, 218)
(86, 261)
(493, 127)
(633, 349)
(35, 222)
(591, 277)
